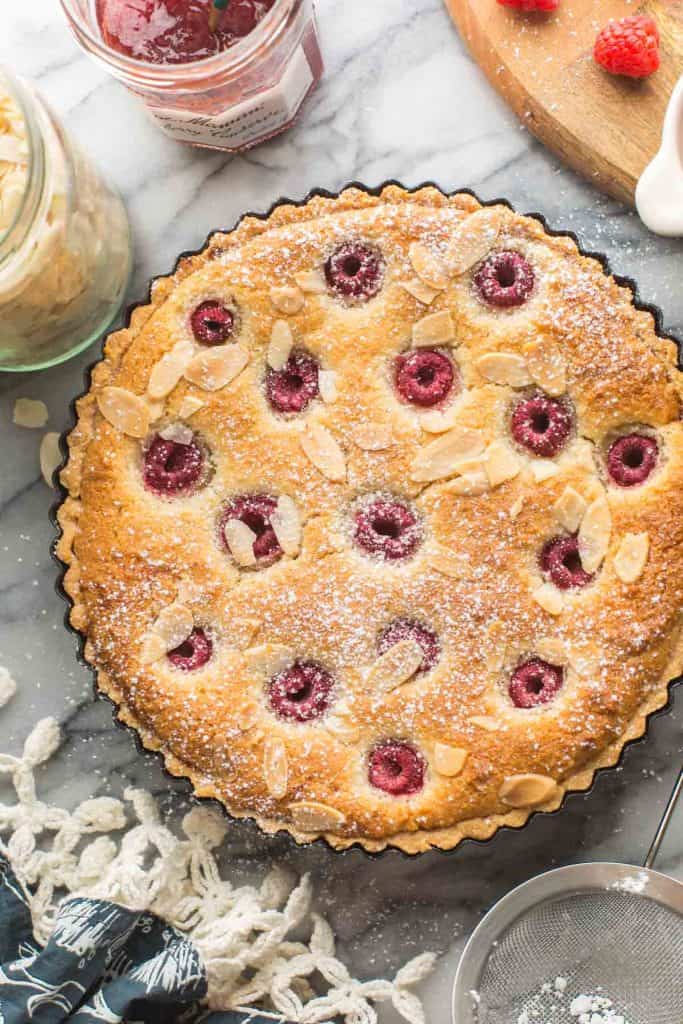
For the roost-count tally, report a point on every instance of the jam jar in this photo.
(226, 88)
(65, 253)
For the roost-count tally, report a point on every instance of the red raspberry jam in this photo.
(541, 425)
(388, 528)
(424, 377)
(175, 31)
(212, 323)
(255, 511)
(407, 629)
(302, 692)
(535, 682)
(170, 468)
(193, 653)
(355, 271)
(292, 388)
(561, 560)
(397, 768)
(505, 279)
(631, 459)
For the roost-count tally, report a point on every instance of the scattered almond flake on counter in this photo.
(448, 761)
(168, 371)
(275, 767)
(428, 267)
(501, 463)
(527, 790)
(50, 456)
(7, 687)
(543, 469)
(312, 281)
(505, 368)
(287, 300)
(124, 411)
(373, 437)
(281, 344)
(420, 291)
(439, 458)
(594, 534)
(549, 598)
(396, 666)
(474, 239)
(240, 539)
(327, 385)
(269, 659)
(30, 412)
(324, 451)
(214, 368)
(309, 816)
(435, 329)
(189, 405)
(631, 558)
(286, 523)
(546, 366)
(570, 509)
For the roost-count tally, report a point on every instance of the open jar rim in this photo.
(172, 76)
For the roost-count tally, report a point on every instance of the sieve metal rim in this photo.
(573, 879)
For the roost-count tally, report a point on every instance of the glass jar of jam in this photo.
(65, 254)
(228, 88)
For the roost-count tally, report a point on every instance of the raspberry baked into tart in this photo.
(374, 524)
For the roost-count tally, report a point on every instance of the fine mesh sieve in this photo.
(603, 929)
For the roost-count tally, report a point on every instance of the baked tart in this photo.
(374, 519)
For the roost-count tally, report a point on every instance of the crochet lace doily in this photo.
(243, 933)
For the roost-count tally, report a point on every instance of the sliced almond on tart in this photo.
(435, 329)
(594, 534)
(309, 816)
(269, 659)
(547, 366)
(528, 790)
(474, 239)
(214, 368)
(449, 563)
(448, 761)
(439, 458)
(631, 557)
(502, 463)
(327, 384)
(275, 767)
(189, 405)
(549, 598)
(281, 344)
(396, 666)
(168, 371)
(311, 281)
(288, 299)
(438, 421)
(543, 469)
(286, 524)
(420, 291)
(240, 539)
(324, 451)
(505, 368)
(125, 411)
(428, 267)
(570, 509)
(373, 437)
(471, 483)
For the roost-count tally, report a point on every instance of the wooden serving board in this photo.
(605, 127)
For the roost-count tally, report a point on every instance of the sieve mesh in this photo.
(622, 945)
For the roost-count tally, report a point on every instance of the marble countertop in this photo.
(400, 99)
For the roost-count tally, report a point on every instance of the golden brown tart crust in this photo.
(474, 578)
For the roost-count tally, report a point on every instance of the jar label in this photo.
(243, 123)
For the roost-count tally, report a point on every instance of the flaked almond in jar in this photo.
(64, 239)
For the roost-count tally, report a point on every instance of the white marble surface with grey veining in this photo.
(400, 99)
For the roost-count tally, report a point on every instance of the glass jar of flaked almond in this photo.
(65, 252)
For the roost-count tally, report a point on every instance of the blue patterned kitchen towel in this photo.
(103, 963)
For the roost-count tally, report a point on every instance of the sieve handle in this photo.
(664, 823)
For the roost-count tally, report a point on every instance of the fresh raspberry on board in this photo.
(629, 46)
(531, 5)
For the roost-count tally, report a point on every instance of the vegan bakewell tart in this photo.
(374, 524)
